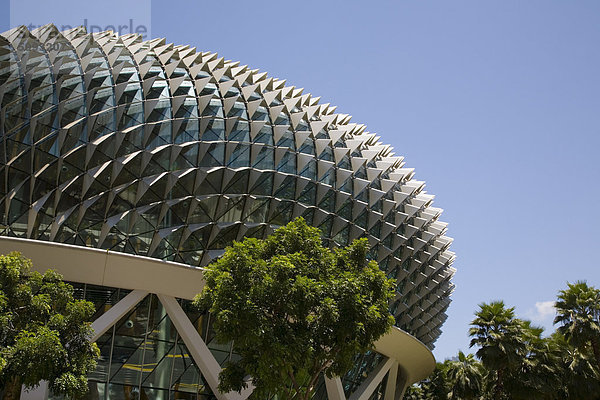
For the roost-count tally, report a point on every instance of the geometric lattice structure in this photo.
(157, 150)
(144, 353)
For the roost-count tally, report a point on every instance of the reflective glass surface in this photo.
(157, 150)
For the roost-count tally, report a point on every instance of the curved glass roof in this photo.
(159, 150)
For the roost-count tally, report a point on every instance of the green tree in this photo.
(465, 377)
(579, 376)
(294, 309)
(578, 316)
(537, 374)
(414, 392)
(520, 363)
(43, 332)
(462, 378)
(436, 386)
(502, 344)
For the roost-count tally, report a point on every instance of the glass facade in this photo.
(142, 357)
(157, 150)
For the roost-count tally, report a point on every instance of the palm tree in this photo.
(580, 378)
(465, 377)
(502, 343)
(578, 313)
(436, 386)
(538, 375)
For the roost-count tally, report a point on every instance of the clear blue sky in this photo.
(495, 104)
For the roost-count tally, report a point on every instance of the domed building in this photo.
(129, 165)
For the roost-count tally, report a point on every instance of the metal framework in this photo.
(157, 150)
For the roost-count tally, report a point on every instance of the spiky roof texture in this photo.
(159, 150)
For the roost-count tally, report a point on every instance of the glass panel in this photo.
(310, 170)
(158, 364)
(263, 185)
(186, 377)
(238, 184)
(130, 335)
(363, 365)
(288, 163)
(240, 131)
(265, 135)
(287, 189)
(256, 210)
(215, 156)
(240, 157)
(123, 392)
(265, 159)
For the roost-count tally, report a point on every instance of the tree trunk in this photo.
(596, 351)
(12, 391)
(499, 389)
(307, 394)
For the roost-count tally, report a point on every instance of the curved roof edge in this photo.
(414, 358)
(109, 268)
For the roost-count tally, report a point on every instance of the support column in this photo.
(335, 390)
(116, 312)
(199, 351)
(367, 388)
(390, 387)
(401, 386)
(40, 392)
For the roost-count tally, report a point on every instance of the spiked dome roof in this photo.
(155, 149)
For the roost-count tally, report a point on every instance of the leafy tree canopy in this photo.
(517, 362)
(43, 331)
(578, 316)
(294, 309)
